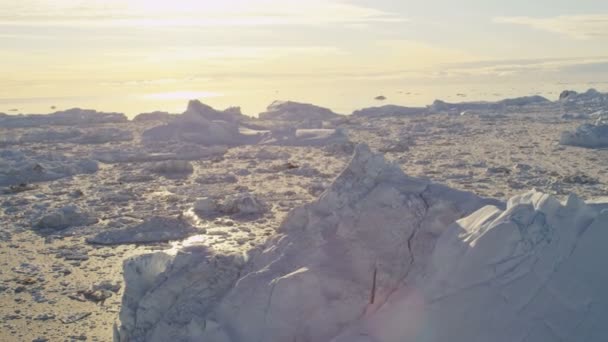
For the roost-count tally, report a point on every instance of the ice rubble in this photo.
(72, 135)
(177, 152)
(104, 135)
(172, 168)
(390, 110)
(23, 166)
(70, 117)
(313, 279)
(299, 115)
(587, 135)
(266, 154)
(217, 178)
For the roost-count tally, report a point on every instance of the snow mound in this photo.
(103, 135)
(49, 135)
(315, 277)
(441, 106)
(265, 154)
(199, 124)
(300, 115)
(531, 272)
(70, 117)
(390, 110)
(18, 166)
(587, 135)
(398, 146)
(155, 229)
(306, 137)
(63, 218)
(217, 178)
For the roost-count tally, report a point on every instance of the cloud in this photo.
(574, 26)
(527, 67)
(589, 68)
(190, 13)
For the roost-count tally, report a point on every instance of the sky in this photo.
(141, 55)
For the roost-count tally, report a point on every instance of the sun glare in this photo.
(190, 6)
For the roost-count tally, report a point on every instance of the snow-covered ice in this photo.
(525, 273)
(504, 267)
(232, 227)
(313, 278)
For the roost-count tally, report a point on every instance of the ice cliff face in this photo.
(532, 272)
(315, 277)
